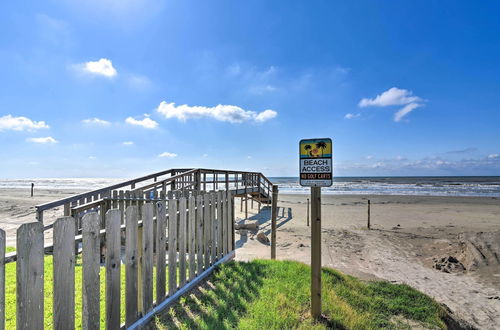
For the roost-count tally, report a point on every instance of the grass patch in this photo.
(265, 294)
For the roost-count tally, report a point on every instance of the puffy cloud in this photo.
(167, 155)
(96, 121)
(103, 67)
(228, 113)
(8, 122)
(128, 143)
(394, 96)
(493, 156)
(146, 122)
(405, 110)
(43, 140)
(266, 115)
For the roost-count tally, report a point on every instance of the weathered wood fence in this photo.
(181, 238)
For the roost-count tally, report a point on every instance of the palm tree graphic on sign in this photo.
(308, 147)
(321, 145)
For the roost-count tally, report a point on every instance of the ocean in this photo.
(423, 186)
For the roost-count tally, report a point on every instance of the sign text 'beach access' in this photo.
(316, 165)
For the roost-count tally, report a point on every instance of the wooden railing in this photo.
(182, 238)
(173, 182)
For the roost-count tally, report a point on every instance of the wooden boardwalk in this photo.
(170, 228)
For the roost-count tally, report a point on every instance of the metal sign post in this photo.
(316, 171)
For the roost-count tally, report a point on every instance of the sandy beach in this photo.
(411, 237)
(447, 247)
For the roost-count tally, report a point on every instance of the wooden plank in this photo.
(224, 222)
(29, 276)
(121, 204)
(219, 227)
(274, 213)
(199, 234)
(172, 246)
(315, 252)
(137, 196)
(182, 241)
(213, 231)
(131, 264)
(147, 257)
(191, 228)
(160, 250)
(91, 269)
(2, 279)
(230, 221)
(113, 263)
(64, 274)
(207, 225)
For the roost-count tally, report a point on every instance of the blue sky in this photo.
(110, 88)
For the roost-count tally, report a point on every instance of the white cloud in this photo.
(369, 157)
(229, 113)
(43, 140)
(96, 121)
(103, 67)
(266, 115)
(128, 143)
(146, 122)
(352, 115)
(92, 157)
(392, 96)
(493, 156)
(249, 157)
(405, 110)
(8, 122)
(167, 155)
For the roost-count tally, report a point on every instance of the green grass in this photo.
(265, 294)
(10, 294)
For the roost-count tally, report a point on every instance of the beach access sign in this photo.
(316, 164)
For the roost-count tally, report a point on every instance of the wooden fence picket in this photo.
(182, 241)
(213, 227)
(131, 264)
(161, 222)
(29, 276)
(224, 222)
(200, 248)
(220, 231)
(147, 256)
(206, 229)
(172, 246)
(113, 263)
(192, 236)
(230, 221)
(91, 271)
(64, 273)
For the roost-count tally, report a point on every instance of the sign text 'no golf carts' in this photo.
(316, 171)
(316, 164)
